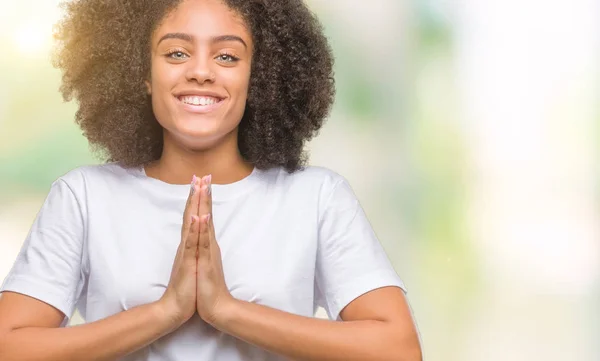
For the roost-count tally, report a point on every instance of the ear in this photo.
(148, 87)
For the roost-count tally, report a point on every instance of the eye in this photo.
(176, 55)
(227, 58)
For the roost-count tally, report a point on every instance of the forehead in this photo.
(203, 18)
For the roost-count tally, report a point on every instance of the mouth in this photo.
(199, 103)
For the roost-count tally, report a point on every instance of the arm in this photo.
(28, 331)
(29, 327)
(377, 326)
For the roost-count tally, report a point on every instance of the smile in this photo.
(199, 104)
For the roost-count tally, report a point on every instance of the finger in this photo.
(212, 234)
(192, 191)
(191, 241)
(205, 213)
(215, 250)
(191, 206)
(204, 238)
(211, 230)
(206, 196)
(194, 197)
(186, 213)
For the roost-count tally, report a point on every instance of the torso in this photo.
(268, 239)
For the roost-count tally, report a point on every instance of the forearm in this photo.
(106, 339)
(311, 339)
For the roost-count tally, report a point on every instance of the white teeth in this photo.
(195, 100)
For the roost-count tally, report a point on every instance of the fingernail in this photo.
(209, 179)
(194, 179)
(207, 218)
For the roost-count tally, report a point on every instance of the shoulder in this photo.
(82, 178)
(106, 171)
(309, 176)
(306, 183)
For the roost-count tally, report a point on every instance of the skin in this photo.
(377, 325)
(200, 143)
(29, 328)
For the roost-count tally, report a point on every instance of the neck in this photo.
(178, 163)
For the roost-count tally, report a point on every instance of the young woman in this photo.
(232, 267)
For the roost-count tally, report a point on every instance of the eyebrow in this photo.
(216, 39)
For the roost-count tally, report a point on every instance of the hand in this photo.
(179, 299)
(212, 292)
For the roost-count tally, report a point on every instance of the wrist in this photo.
(226, 313)
(167, 314)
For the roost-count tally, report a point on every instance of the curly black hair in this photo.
(103, 50)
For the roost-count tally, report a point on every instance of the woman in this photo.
(229, 91)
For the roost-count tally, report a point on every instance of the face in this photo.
(200, 72)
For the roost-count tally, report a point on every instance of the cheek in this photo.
(239, 84)
(162, 79)
(241, 98)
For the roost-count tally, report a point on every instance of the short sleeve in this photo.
(48, 266)
(350, 259)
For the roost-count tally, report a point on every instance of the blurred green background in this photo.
(469, 131)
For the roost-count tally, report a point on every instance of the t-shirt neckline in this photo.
(220, 192)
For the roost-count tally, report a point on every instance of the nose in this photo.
(200, 70)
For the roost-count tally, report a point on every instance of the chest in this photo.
(268, 255)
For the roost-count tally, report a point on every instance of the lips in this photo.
(199, 102)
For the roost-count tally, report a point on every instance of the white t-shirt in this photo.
(105, 239)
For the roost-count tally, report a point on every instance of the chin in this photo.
(196, 125)
(198, 131)
(199, 138)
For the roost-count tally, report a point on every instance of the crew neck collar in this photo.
(220, 192)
